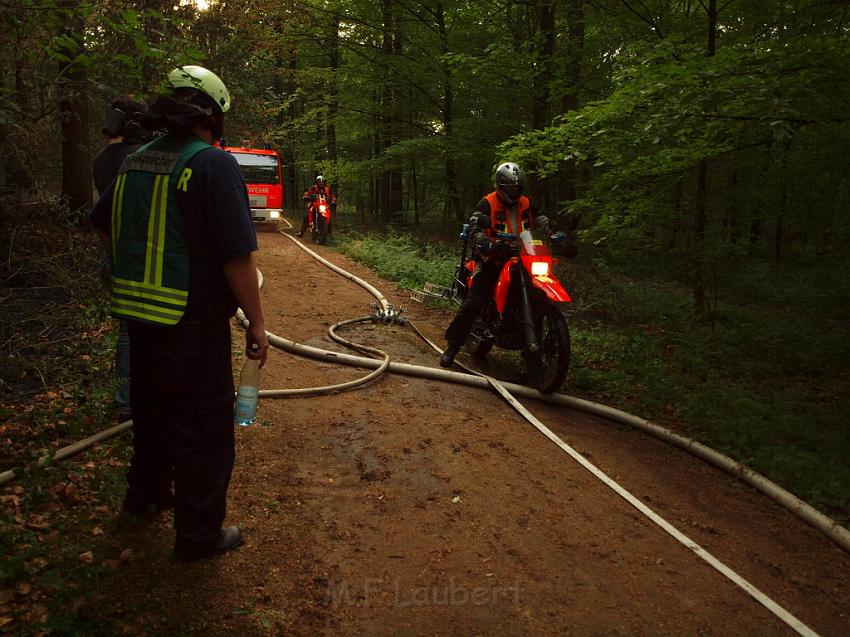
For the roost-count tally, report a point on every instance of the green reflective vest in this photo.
(150, 257)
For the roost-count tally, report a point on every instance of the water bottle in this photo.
(248, 393)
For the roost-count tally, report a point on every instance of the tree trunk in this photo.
(396, 181)
(679, 225)
(415, 189)
(780, 226)
(375, 180)
(700, 208)
(74, 125)
(453, 205)
(15, 159)
(567, 176)
(542, 74)
(288, 156)
(333, 101)
(540, 84)
(396, 192)
(779, 236)
(734, 212)
(712, 27)
(755, 232)
(698, 248)
(385, 135)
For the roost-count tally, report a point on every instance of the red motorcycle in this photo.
(320, 219)
(523, 312)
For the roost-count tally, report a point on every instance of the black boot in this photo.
(448, 357)
(303, 227)
(229, 538)
(135, 507)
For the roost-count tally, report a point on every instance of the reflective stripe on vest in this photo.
(117, 200)
(145, 302)
(500, 219)
(150, 275)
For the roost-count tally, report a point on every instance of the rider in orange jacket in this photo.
(311, 195)
(505, 210)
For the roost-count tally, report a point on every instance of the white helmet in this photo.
(509, 181)
(203, 80)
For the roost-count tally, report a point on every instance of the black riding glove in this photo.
(504, 250)
(562, 245)
(560, 240)
(497, 249)
(478, 221)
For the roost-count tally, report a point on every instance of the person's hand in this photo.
(562, 245)
(256, 343)
(314, 197)
(480, 220)
(558, 238)
(502, 249)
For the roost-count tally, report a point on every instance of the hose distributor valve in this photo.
(390, 315)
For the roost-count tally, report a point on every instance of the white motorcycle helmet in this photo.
(509, 181)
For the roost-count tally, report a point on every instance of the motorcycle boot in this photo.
(448, 357)
(303, 227)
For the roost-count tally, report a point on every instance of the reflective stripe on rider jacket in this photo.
(500, 214)
(150, 271)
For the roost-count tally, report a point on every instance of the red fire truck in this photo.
(263, 175)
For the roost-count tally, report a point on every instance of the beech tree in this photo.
(693, 132)
(751, 106)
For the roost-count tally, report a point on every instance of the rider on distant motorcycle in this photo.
(504, 210)
(311, 195)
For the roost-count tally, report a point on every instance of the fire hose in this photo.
(508, 391)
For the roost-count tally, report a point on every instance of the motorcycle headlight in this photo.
(539, 268)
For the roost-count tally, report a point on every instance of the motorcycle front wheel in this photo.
(320, 230)
(548, 367)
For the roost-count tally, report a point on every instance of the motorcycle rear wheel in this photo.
(548, 367)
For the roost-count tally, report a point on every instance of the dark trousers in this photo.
(183, 431)
(483, 281)
(122, 369)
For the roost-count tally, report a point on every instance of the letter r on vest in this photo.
(183, 183)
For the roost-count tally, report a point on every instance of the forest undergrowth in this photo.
(56, 387)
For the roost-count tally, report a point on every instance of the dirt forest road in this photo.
(413, 507)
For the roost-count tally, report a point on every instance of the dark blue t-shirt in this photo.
(217, 225)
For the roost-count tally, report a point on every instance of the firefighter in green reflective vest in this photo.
(178, 223)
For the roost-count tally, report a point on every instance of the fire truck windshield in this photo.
(257, 169)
